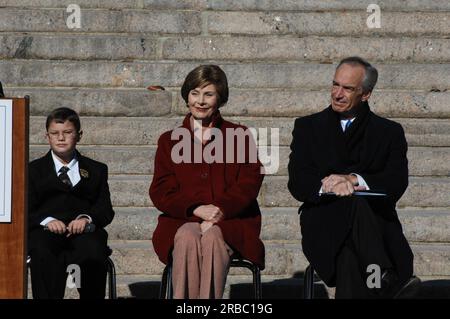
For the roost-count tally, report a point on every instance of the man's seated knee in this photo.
(96, 253)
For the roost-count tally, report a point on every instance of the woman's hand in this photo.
(209, 213)
(204, 226)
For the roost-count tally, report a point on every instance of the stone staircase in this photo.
(280, 58)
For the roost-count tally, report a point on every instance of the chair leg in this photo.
(257, 282)
(309, 283)
(28, 265)
(163, 287)
(112, 279)
(169, 284)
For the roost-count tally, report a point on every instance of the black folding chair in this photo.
(110, 269)
(308, 283)
(166, 291)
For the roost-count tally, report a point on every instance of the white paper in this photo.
(5, 160)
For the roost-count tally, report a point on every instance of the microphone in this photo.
(89, 228)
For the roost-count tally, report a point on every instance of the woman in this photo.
(206, 191)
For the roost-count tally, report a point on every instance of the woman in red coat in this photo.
(206, 181)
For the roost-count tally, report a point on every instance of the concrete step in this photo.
(269, 48)
(307, 76)
(78, 47)
(282, 223)
(423, 161)
(273, 287)
(344, 23)
(101, 21)
(260, 102)
(146, 131)
(309, 48)
(421, 192)
(282, 258)
(347, 23)
(132, 191)
(113, 4)
(97, 102)
(294, 103)
(324, 5)
(242, 5)
(240, 286)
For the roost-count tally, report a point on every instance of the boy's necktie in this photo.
(64, 177)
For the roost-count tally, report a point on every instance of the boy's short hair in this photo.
(62, 114)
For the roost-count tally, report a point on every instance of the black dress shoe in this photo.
(392, 287)
(409, 289)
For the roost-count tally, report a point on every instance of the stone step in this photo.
(294, 103)
(308, 76)
(282, 223)
(282, 258)
(146, 131)
(237, 5)
(344, 23)
(423, 161)
(421, 192)
(101, 20)
(224, 48)
(259, 102)
(77, 47)
(347, 23)
(118, 4)
(273, 287)
(98, 102)
(310, 48)
(132, 191)
(324, 5)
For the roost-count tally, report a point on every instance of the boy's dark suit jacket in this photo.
(372, 147)
(49, 197)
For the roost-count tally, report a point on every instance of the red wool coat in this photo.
(177, 189)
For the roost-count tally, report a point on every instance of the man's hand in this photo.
(77, 226)
(205, 225)
(341, 185)
(56, 226)
(209, 213)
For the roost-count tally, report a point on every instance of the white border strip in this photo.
(5, 160)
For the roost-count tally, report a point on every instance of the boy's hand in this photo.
(57, 227)
(77, 226)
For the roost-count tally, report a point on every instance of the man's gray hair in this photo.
(370, 74)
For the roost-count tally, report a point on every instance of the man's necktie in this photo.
(347, 125)
(64, 177)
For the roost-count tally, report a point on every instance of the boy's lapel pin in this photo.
(84, 173)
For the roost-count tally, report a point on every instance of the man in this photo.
(68, 195)
(340, 150)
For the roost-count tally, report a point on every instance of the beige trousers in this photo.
(200, 263)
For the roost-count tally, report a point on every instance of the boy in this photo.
(68, 195)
